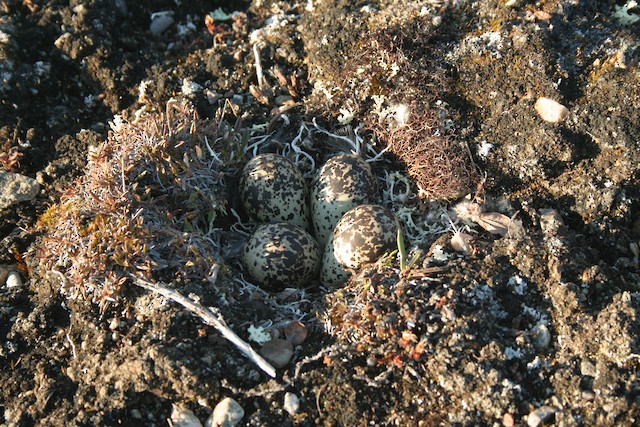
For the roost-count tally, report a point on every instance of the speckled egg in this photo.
(332, 272)
(280, 255)
(361, 236)
(273, 189)
(344, 182)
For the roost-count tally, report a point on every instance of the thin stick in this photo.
(210, 318)
(259, 74)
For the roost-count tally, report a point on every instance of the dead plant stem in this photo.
(210, 318)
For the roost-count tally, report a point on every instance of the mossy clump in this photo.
(387, 317)
(408, 114)
(146, 206)
(395, 83)
(440, 164)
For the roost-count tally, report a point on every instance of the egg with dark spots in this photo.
(362, 236)
(344, 182)
(273, 189)
(281, 255)
(332, 272)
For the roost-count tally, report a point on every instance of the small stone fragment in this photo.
(550, 221)
(13, 280)
(278, 352)
(495, 223)
(16, 188)
(461, 242)
(160, 21)
(295, 332)
(508, 420)
(587, 368)
(541, 416)
(181, 417)
(291, 403)
(541, 337)
(550, 110)
(227, 413)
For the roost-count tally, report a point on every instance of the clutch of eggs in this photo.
(351, 230)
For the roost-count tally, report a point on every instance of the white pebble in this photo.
(541, 336)
(550, 110)
(13, 280)
(181, 417)
(541, 416)
(227, 413)
(291, 403)
(160, 21)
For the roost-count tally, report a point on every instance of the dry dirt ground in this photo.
(539, 325)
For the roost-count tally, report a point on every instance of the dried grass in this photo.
(404, 85)
(440, 166)
(146, 206)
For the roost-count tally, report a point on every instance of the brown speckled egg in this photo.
(280, 255)
(273, 189)
(361, 236)
(344, 182)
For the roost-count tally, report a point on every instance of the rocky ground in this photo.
(522, 306)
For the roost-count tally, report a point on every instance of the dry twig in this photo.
(210, 318)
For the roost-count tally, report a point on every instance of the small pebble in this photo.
(296, 332)
(16, 188)
(541, 416)
(587, 368)
(508, 420)
(13, 280)
(114, 324)
(227, 413)
(588, 395)
(541, 337)
(278, 352)
(291, 403)
(136, 414)
(160, 21)
(550, 110)
(181, 417)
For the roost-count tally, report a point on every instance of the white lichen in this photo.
(511, 353)
(258, 334)
(483, 149)
(518, 284)
(621, 13)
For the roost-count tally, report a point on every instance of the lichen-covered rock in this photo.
(273, 189)
(281, 255)
(16, 188)
(344, 182)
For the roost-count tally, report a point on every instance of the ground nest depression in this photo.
(502, 136)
